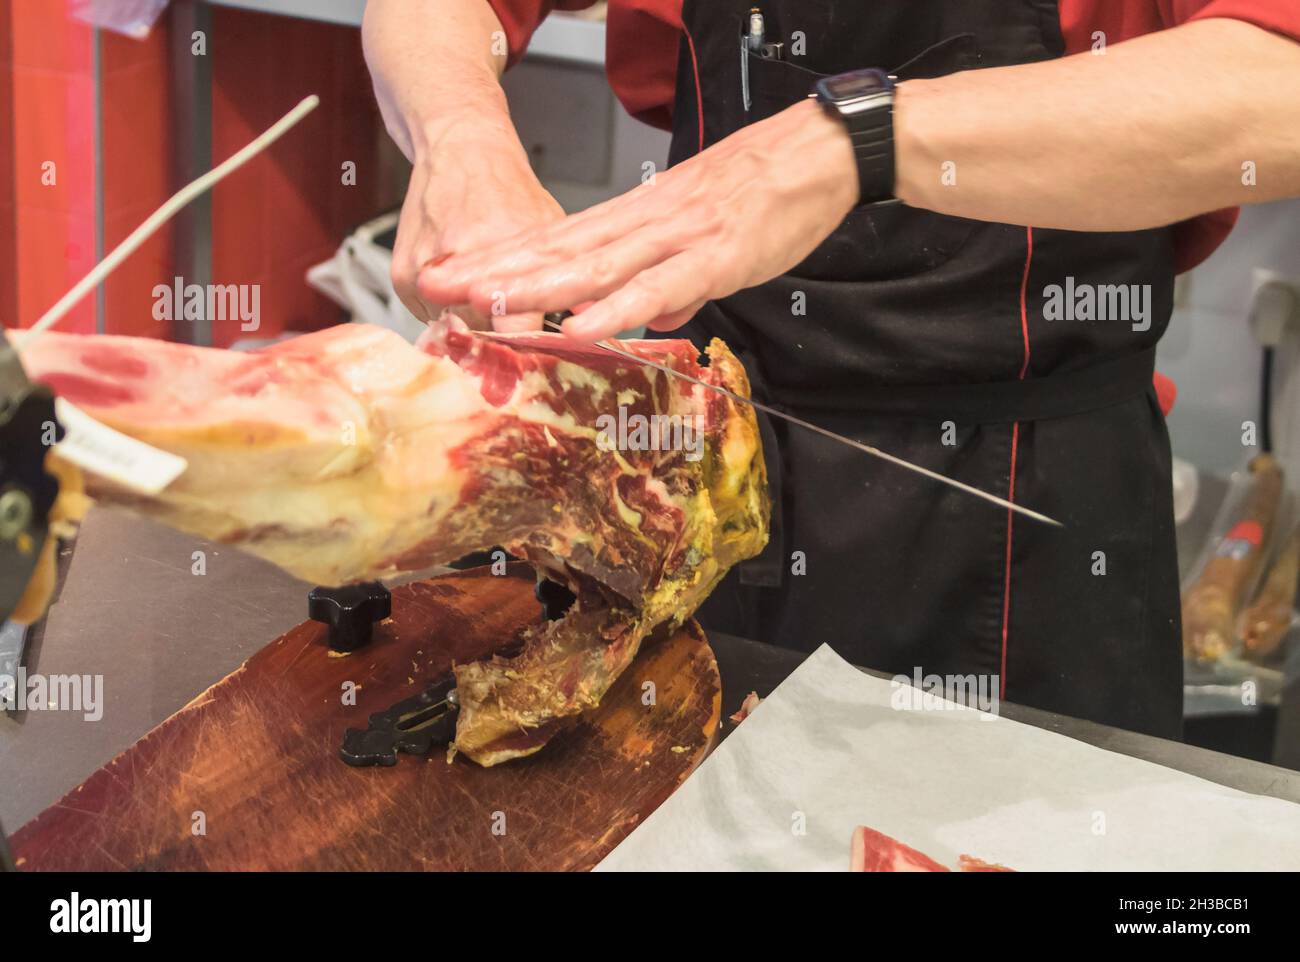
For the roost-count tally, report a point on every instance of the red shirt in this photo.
(642, 38)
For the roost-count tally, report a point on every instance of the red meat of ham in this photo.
(751, 702)
(874, 851)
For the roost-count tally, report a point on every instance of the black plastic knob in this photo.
(350, 612)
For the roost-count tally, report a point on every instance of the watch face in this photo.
(850, 86)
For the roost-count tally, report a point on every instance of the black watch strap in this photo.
(873, 147)
(863, 100)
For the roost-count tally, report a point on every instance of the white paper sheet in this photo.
(827, 752)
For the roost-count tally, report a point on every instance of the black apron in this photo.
(929, 337)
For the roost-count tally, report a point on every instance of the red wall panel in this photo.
(8, 217)
(136, 156)
(50, 75)
(272, 220)
(289, 208)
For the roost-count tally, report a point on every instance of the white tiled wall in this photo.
(1211, 354)
(565, 113)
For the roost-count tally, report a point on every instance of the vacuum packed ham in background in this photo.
(1212, 602)
(1265, 623)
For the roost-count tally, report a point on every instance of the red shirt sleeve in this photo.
(642, 38)
(1081, 20)
(520, 18)
(1280, 16)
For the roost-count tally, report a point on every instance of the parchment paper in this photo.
(826, 752)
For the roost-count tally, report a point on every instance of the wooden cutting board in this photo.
(248, 776)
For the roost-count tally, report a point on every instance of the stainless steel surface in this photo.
(160, 617)
(13, 643)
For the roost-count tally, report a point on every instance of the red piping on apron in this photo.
(699, 94)
(1015, 443)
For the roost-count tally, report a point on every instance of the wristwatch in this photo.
(863, 100)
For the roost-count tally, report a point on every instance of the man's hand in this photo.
(467, 192)
(437, 70)
(747, 209)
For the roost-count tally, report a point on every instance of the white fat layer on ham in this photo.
(571, 375)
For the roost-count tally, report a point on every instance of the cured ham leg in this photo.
(349, 455)
(873, 851)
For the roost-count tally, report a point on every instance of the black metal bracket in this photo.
(413, 725)
(27, 491)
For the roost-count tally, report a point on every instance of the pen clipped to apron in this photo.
(753, 40)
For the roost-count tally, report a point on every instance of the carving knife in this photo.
(553, 319)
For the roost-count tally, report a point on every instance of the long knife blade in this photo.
(552, 321)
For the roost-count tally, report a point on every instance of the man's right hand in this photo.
(437, 69)
(467, 191)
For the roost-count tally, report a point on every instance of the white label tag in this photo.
(97, 448)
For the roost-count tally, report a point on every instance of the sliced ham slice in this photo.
(746, 708)
(348, 455)
(969, 863)
(873, 851)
